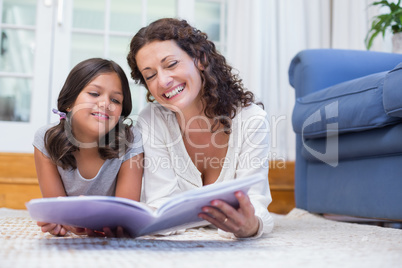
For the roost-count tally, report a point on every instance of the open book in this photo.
(96, 212)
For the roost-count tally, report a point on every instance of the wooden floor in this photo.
(18, 183)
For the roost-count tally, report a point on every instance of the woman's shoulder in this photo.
(253, 110)
(252, 116)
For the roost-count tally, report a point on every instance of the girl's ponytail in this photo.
(58, 145)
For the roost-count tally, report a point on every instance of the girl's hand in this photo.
(52, 228)
(75, 230)
(241, 222)
(107, 232)
(58, 229)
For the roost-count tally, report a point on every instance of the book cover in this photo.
(96, 212)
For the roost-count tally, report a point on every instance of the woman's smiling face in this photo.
(171, 75)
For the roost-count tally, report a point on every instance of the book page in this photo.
(223, 191)
(183, 210)
(93, 212)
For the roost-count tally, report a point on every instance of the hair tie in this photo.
(62, 115)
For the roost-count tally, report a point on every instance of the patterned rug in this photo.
(299, 239)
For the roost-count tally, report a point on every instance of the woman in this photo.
(205, 127)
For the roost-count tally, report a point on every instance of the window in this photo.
(42, 40)
(17, 27)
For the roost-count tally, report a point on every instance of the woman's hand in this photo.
(58, 229)
(241, 222)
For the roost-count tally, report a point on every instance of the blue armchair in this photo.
(348, 124)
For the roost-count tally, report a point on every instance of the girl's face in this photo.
(97, 108)
(171, 75)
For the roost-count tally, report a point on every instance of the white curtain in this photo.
(263, 37)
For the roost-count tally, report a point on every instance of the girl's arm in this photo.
(128, 185)
(51, 186)
(48, 176)
(129, 178)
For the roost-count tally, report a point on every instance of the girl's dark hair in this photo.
(59, 141)
(222, 90)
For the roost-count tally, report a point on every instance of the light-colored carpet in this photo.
(299, 239)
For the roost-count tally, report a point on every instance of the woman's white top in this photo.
(169, 170)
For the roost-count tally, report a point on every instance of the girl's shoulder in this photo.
(137, 142)
(43, 129)
(136, 146)
(39, 137)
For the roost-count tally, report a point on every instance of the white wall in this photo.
(264, 35)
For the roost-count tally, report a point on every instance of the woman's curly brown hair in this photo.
(222, 90)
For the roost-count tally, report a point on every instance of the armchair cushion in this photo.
(392, 92)
(355, 105)
(379, 142)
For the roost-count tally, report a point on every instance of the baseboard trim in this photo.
(17, 165)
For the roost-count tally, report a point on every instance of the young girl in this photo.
(86, 153)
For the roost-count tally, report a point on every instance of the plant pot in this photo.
(397, 43)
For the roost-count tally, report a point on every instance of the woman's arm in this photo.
(252, 218)
(255, 151)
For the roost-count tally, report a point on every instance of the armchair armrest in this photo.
(315, 69)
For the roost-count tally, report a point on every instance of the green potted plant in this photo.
(387, 21)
